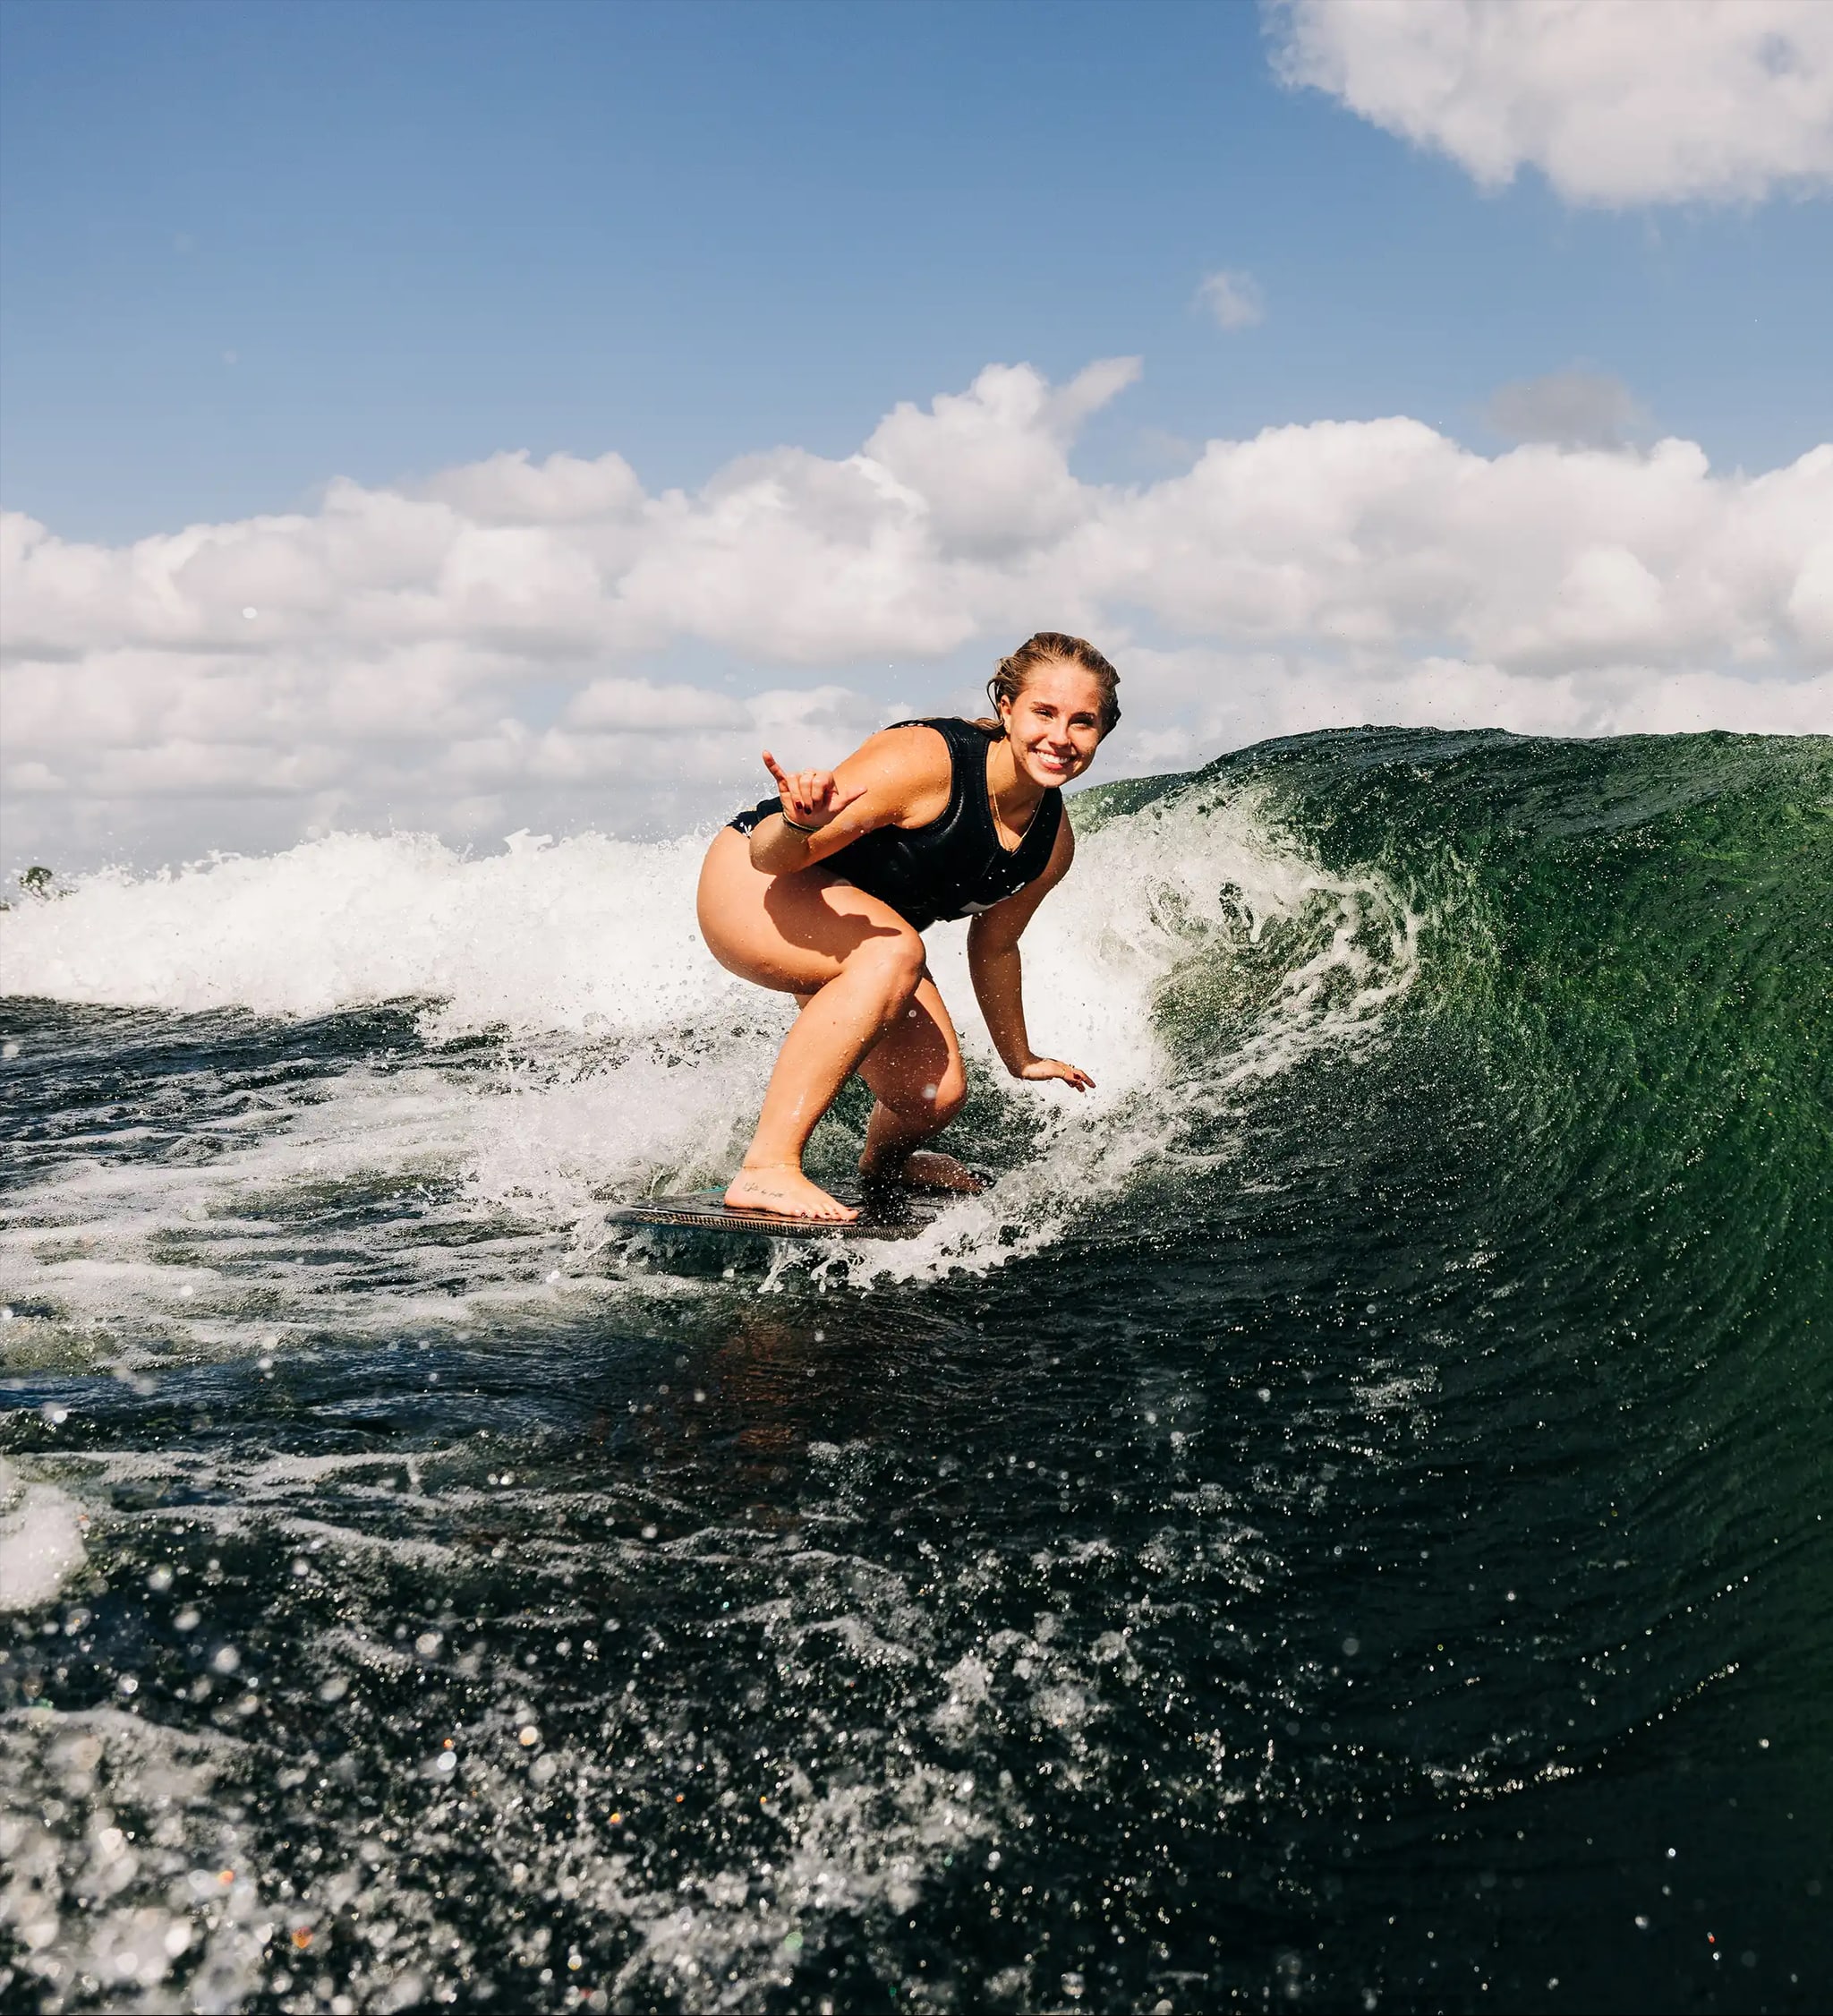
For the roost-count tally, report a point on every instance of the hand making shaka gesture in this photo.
(810, 799)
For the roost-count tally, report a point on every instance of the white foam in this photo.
(41, 1531)
(584, 934)
(629, 1059)
(1148, 894)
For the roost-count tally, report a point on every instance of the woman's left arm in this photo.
(998, 971)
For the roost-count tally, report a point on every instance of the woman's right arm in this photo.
(813, 799)
(885, 781)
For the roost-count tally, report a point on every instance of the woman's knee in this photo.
(897, 957)
(950, 1093)
(936, 1100)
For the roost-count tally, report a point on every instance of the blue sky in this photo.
(493, 414)
(426, 233)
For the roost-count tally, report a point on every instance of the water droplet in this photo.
(159, 1580)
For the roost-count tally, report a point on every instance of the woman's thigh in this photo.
(794, 933)
(916, 1066)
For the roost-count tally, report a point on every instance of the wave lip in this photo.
(572, 934)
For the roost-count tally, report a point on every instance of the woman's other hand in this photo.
(810, 799)
(1054, 1067)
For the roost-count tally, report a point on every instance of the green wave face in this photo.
(1613, 1075)
(1615, 1056)
(1576, 1191)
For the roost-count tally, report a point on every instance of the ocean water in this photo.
(1343, 1522)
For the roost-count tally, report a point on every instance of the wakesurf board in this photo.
(883, 1213)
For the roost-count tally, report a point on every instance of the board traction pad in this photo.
(894, 1215)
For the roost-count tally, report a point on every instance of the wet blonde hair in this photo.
(1055, 647)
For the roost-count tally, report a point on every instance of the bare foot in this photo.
(927, 1169)
(787, 1192)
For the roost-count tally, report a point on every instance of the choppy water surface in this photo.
(1343, 1524)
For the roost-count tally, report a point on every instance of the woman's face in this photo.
(1054, 725)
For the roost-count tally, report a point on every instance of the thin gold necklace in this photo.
(993, 805)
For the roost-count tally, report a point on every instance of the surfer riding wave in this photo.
(823, 891)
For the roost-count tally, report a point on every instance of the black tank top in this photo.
(955, 865)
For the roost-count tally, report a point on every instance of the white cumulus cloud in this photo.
(1235, 299)
(517, 643)
(1618, 102)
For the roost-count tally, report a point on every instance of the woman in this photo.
(822, 890)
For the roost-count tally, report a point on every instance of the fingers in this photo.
(812, 795)
(814, 789)
(1054, 1067)
(801, 790)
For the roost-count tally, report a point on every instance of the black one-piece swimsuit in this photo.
(955, 865)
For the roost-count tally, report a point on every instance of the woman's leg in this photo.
(915, 1072)
(855, 964)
